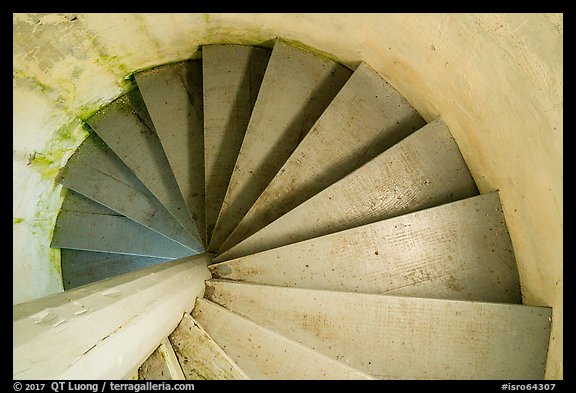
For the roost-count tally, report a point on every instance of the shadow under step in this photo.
(424, 170)
(297, 87)
(264, 354)
(83, 224)
(393, 337)
(232, 75)
(460, 250)
(84, 267)
(365, 118)
(173, 97)
(96, 172)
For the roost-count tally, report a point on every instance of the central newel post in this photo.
(105, 330)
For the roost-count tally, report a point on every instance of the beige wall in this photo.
(496, 80)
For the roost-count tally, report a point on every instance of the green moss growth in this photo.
(308, 48)
(17, 220)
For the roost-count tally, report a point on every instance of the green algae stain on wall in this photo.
(47, 164)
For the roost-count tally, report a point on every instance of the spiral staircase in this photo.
(347, 238)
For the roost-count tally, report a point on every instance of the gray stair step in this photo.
(173, 98)
(97, 173)
(297, 87)
(84, 224)
(85, 267)
(424, 170)
(365, 118)
(460, 251)
(264, 354)
(139, 148)
(199, 355)
(136, 102)
(392, 337)
(232, 75)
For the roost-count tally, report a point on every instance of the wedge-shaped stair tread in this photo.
(264, 354)
(460, 251)
(173, 97)
(85, 267)
(424, 170)
(96, 172)
(297, 87)
(139, 148)
(366, 117)
(84, 224)
(199, 356)
(394, 337)
(162, 364)
(232, 75)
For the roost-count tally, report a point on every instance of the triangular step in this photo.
(83, 224)
(96, 172)
(232, 75)
(199, 356)
(127, 135)
(85, 267)
(366, 117)
(394, 337)
(297, 87)
(264, 354)
(162, 364)
(173, 97)
(424, 170)
(460, 251)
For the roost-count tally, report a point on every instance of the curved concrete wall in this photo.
(495, 79)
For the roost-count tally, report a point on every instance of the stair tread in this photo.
(365, 118)
(424, 170)
(461, 251)
(232, 75)
(96, 172)
(415, 338)
(84, 267)
(173, 98)
(199, 355)
(296, 89)
(139, 148)
(162, 364)
(263, 354)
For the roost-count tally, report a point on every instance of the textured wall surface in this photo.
(495, 79)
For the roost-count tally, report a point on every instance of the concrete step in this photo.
(392, 337)
(297, 87)
(264, 354)
(136, 102)
(232, 75)
(97, 173)
(199, 355)
(83, 224)
(85, 267)
(127, 135)
(365, 118)
(424, 170)
(162, 364)
(173, 97)
(461, 251)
